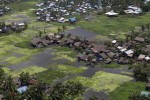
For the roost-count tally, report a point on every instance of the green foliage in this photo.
(34, 93)
(9, 85)
(65, 91)
(125, 90)
(50, 75)
(24, 44)
(103, 81)
(24, 79)
(141, 71)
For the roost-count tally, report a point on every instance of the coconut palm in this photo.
(57, 92)
(24, 79)
(9, 85)
(34, 93)
(2, 75)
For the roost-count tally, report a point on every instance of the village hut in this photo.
(37, 42)
(1, 97)
(141, 57)
(111, 14)
(139, 39)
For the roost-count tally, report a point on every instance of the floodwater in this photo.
(45, 58)
(82, 33)
(90, 93)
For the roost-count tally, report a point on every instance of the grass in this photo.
(29, 69)
(65, 52)
(112, 65)
(50, 75)
(105, 26)
(103, 81)
(124, 90)
(58, 71)
(70, 69)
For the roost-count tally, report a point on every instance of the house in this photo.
(108, 61)
(37, 42)
(33, 82)
(129, 53)
(103, 55)
(121, 61)
(114, 41)
(133, 10)
(77, 44)
(83, 57)
(147, 58)
(141, 57)
(111, 54)
(99, 48)
(139, 39)
(111, 14)
(1, 97)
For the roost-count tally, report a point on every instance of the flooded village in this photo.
(74, 50)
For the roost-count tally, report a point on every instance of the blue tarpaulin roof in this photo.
(22, 89)
(72, 19)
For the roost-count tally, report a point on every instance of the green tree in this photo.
(24, 78)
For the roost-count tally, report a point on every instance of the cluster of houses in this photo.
(93, 53)
(4, 10)
(15, 27)
(55, 10)
(131, 10)
(9, 1)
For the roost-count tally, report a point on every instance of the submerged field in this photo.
(59, 64)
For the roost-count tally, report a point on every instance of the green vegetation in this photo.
(50, 75)
(112, 65)
(29, 69)
(125, 90)
(65, 52)
(70, 69)
(103, 81)
(59, 71)
(104, 26)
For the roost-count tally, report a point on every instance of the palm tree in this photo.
(40, 34)
(57, 92)
(34, 93)
(148, 26)
(2, 75)
(142, 28)
(9, 85)
(64, 28)
(24, 79)
(59, 30)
